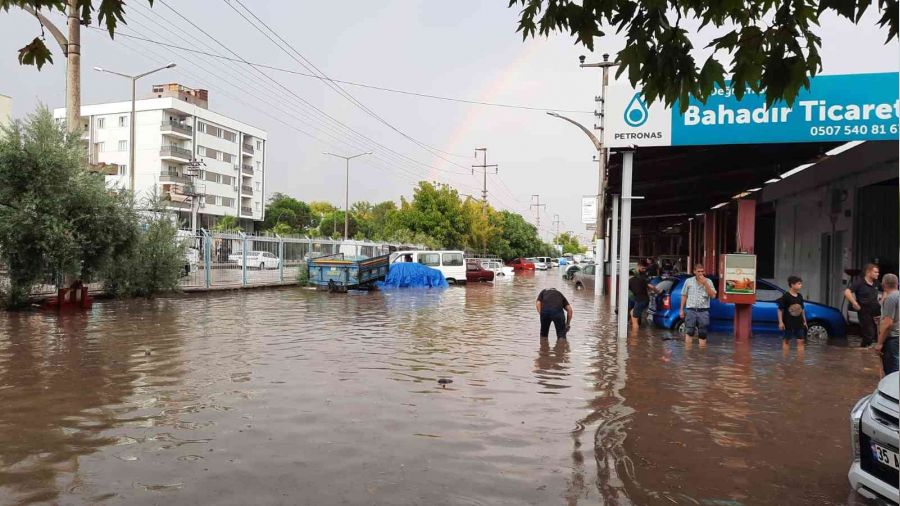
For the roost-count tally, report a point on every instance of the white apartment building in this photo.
(5, 110)
(172, 129)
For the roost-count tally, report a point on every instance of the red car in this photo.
(521, 264)
(475, 273)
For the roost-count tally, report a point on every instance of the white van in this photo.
(451, 263)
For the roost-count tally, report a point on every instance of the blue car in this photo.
(824, 321)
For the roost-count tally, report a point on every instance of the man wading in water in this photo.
(553, 306)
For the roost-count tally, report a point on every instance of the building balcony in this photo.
(247, 169)
(246, 190)
(175, 153)
(248, 149)
(246, 211)
(167, 176)
(174, 128)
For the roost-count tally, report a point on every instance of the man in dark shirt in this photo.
(863, 298)
(552, 306)
(640, 289)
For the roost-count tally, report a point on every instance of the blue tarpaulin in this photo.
(413, 275)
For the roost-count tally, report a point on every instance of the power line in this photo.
(344, 93)
(484, 167)
(349, 83)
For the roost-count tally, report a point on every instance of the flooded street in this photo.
(290, 396)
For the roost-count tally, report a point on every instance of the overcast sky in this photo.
(466, 49)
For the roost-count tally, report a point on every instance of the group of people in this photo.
(879, 321)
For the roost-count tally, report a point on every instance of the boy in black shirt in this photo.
(791, 315)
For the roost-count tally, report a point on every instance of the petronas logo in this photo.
(636, 114)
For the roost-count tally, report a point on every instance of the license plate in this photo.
(886, 456)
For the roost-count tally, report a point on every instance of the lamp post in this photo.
(347, 190)
(134, 79)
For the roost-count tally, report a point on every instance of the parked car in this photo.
(256, 259)
(570, 271)
(521, 264)
(497, 267)
(824, 321)
(873, 439)
(538, 265)
(451, 263)
(584, 277)
(475, 273)
(546, 261)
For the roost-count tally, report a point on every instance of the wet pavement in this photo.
(289, 396)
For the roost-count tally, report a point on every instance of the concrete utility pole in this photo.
(347, 190)
(536, 204)
(602, 152)
(556, 239)
(192, 172)
(484, 167)
(131, 136)
(71, 48)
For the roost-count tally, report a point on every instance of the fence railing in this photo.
(233, 260)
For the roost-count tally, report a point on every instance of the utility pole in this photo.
(193, 172)
(71, 48)
(557, 222)
(484, 167)
(536, 204)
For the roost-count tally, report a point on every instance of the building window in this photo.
(258, 186)
(258, 165)
(227, 157)
(101, 122)
(123, 121)
(101, 147)
(227, 202)
(123, 145)
(257, 206)
(213, 177)
(229, 136)
(259, 145)
(227, 179)
(201, 127)
(122, 169)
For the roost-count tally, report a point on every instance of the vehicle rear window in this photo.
(430, 259)
(665, 285)
(453, 259)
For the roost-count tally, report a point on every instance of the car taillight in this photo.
(666, 302)
(855, 421)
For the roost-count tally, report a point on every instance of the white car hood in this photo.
(889, 385)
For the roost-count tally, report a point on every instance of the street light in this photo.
(347, 190)
(131, 119)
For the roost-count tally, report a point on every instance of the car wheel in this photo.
(579, 286)
(817, 333)
(679, 327)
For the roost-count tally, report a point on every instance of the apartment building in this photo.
(5, 110)
(196, 159)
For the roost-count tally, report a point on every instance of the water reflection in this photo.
(299, 396)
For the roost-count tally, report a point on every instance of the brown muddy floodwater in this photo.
(291, 396)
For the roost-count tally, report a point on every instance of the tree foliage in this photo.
(109, 13)
(288, 215)
(569, 243)
(773, 47)
(227, 224)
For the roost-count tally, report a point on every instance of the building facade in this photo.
(5, 110)
(197, 160)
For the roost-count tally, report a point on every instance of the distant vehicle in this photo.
(538, 265)
(584, 277)
(554, 262)
(497, 268)
(570, 271)
(476, 273)
(521, 264)
(256, 259)
(451, 263)
(824, 321)
(873, 439)
(546, 261)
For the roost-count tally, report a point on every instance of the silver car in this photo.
(873, 439)
(584, 278)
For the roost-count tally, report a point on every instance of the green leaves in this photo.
(771, 49)
(36, 53)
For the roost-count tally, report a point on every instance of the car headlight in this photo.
(855, 422)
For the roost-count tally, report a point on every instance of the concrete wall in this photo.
(804, 213)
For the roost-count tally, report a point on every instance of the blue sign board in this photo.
(838, 108)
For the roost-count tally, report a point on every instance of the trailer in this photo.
(336, 273)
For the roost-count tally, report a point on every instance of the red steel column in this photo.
(746, 231)
(709, 243)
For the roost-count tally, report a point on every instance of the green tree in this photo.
(773, 46)
(291, 215)
(332, 225)
(227, 224)
(57, 220)
(517, 237)
(436, 211)
(569, 243)
(373, 220)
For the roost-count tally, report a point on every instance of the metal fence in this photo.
(237, 260)
(223, 260)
